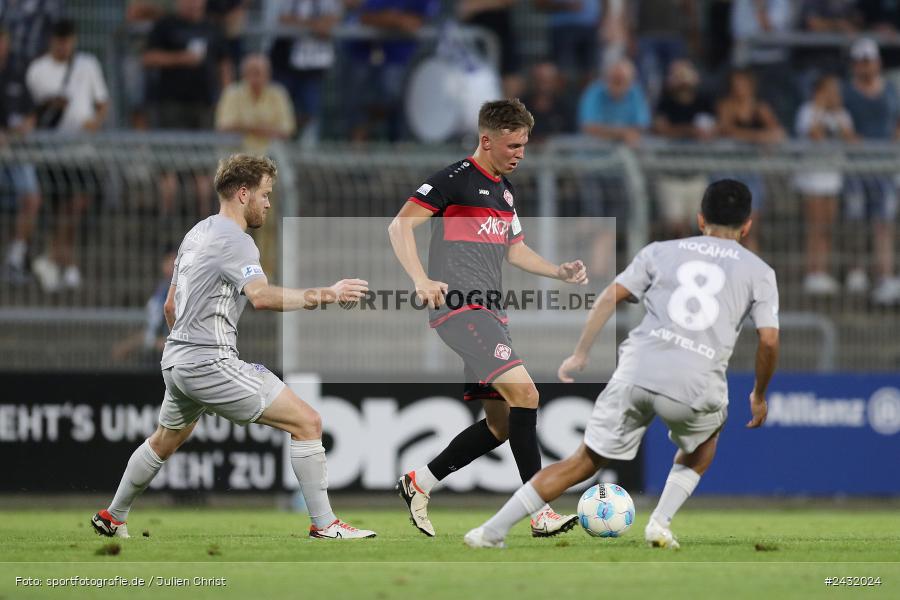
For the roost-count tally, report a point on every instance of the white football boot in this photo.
(548, 523)
(338, 530)
(476, 539)
(416, 502)
(105, 525)
(660, 537)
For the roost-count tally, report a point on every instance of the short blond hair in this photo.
(242, 170)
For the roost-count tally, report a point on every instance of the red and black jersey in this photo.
(474, 224)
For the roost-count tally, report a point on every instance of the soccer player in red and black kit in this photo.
(478, 228)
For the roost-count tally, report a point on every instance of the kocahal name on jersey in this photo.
(712, 250)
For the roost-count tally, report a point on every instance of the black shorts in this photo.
(483, 342)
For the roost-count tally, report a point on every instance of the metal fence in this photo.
(142, 192)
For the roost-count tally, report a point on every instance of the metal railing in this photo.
(144, 191)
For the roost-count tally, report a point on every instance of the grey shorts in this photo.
(623, 411)
(228, 387)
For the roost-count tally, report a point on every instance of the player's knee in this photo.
(309, 425)
(163, 446)
(527, 396)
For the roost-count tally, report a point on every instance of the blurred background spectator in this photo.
(751, 18)
(255, 107)
(151, 338)
(830, 16)
(822, 118)
(189, 53)
(744, 117)
(28, 23)
(496, 17)
(874, 106)
(261, 111)
(546, 98)
(574, 31)
(662, 31)
(70, 94)
(684, 114)
(231, 18)
(301, 62)
(378, 68)
(18, 181)
(615, 108)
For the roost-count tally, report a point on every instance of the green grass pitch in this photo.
(725, 554)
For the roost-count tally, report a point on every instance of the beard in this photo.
(255, 218)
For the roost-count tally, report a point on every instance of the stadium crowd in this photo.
(680, 70)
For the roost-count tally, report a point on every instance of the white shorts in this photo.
(623, 411)
(228, 387)
(678, 198)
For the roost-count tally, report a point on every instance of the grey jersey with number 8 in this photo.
(697, 292)
(215, 261)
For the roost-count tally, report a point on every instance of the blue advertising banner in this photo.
(825, 434)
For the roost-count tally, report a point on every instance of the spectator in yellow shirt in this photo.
(262, 112)
(256, 107)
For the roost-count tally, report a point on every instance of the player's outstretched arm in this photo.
(520, 255)
(766, 359)
(264, 296)
(403, 240)
(600, 313)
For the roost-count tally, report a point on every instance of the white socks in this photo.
(308, 461)
(142, 467)
(526, 501)
(680, 485)
(425, 479)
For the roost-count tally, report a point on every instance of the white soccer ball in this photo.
(606, 510)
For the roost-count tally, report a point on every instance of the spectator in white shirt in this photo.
(70, 94)
(72, 78)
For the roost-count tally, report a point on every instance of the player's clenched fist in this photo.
(431, 292)
(347, 290)
(573, 272)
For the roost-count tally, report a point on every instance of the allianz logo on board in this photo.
(881, 411)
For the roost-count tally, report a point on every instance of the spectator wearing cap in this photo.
(874, 106)
(882, 16)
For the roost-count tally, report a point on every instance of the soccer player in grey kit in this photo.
(216, 272)
(697, 292)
